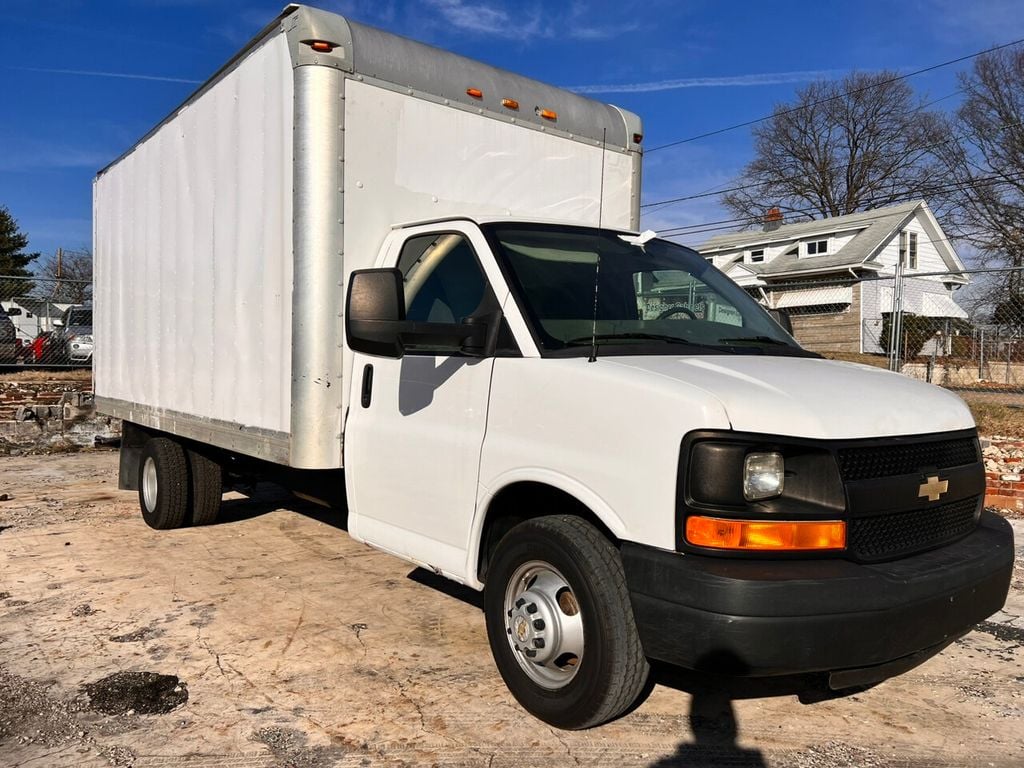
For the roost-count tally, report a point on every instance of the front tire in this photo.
(560, 623)
(163, 484)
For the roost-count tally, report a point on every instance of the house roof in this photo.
(874, 229)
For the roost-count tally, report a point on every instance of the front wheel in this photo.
(560, 623)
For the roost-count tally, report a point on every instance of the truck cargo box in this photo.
(223, 238)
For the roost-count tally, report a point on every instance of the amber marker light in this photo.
(765, 535)
(547, 114)
(510, 103)
(476, 93)
(321, 46)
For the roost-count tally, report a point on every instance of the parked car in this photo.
(72, 341)
(8, 347)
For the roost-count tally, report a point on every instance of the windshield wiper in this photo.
(627, 335)
(757, 340)
(644, 337)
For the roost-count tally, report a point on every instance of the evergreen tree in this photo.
(13, 259)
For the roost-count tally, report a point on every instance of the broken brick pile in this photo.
(17, 396)
(1004, 473)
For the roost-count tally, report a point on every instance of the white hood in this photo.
(808, 397)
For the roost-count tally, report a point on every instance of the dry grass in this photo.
(996, 419)
(42, 374)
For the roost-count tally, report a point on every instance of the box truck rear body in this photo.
(223, 238)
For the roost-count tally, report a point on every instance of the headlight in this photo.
(764, 475)
(85, 339)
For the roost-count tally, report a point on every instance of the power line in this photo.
(919, 193)
(715, 191)
(696, 229)
(832, 98)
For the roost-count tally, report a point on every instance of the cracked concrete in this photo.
(301, 647)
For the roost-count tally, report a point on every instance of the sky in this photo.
(82, 80)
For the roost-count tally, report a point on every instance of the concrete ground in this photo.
(273, 639)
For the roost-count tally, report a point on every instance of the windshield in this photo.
(79, 318)
(656, 295)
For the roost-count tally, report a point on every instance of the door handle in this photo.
(367, 385)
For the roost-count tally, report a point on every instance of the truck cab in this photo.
(610, 438)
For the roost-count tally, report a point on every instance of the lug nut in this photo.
(530, 652)
(538, 642)
(531, 608)
(520, 602)
(538, 624)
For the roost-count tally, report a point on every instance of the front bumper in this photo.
(763, 618)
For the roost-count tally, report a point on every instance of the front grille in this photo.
(890, 460)
(901, 533)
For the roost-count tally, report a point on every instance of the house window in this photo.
(757, 256)
(817, 247)
(908, 250)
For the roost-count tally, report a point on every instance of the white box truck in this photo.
(397, 279)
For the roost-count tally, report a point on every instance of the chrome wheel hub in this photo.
(543, 624)
(149, 484)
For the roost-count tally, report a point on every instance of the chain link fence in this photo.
(45, 323)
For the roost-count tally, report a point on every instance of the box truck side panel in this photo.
(193, 243)
(410, 159)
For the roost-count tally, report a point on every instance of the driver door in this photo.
(416, 425)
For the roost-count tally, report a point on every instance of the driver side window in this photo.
(443, 280)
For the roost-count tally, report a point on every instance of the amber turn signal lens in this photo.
(765, 535)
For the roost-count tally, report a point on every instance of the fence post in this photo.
(896, 321)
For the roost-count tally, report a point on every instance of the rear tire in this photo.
(581, 664)
(207, 488)
(163, 484)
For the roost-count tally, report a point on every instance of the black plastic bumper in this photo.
(761, 618)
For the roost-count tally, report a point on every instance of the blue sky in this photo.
(686, 66)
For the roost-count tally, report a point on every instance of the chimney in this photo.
(773, 220)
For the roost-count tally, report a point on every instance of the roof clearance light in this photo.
(510, 103)
(476, 93)
(763, 535)
(321, 46)
(547, 114)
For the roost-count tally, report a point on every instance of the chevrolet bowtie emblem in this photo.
(933, 488)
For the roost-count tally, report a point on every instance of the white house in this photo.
(825, 272)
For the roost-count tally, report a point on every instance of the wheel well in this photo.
(522, 501)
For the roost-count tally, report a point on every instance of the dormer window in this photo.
(757, 256)
(817, 247)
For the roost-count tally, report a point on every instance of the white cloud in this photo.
(473, 17)
(729, 81)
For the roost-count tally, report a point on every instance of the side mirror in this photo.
(374, 310)
(781, 317)
(375, 320)
(58, 323)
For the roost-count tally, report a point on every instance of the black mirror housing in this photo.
(375, 312)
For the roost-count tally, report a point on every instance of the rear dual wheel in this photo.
(560, 623)
(177, 486)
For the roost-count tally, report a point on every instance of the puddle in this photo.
(145, 693)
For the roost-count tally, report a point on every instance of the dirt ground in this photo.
(272, 639)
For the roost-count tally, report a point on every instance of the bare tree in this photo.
(69, 276)
(987, 162)
(843, 146)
